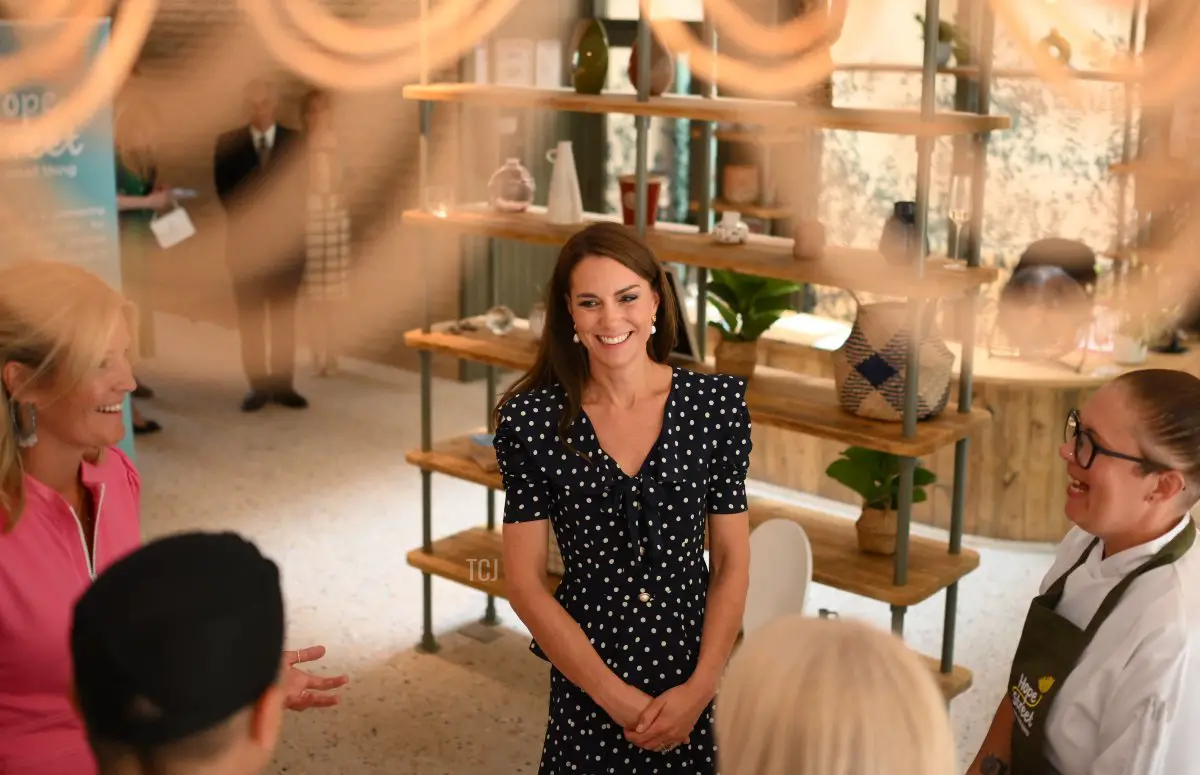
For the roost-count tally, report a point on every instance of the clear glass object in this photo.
(499, 320)
(439, 200)
(959, 207)
(511, 188)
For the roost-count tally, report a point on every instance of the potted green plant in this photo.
(950, 41)
(748, 306)
(875, 477)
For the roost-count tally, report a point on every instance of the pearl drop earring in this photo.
(575, 337)
(653, 328)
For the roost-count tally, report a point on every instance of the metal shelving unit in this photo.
(921, 568)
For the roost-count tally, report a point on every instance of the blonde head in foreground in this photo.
(805, 696)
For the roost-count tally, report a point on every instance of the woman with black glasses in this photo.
(1106, 677)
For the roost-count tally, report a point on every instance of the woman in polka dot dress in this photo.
(627, 458)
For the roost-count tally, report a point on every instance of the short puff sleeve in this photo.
(527, 491)
(730, 462)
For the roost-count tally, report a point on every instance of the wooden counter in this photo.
(1016, 483)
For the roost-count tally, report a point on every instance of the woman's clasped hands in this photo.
(666, 721)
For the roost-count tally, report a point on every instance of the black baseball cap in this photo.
(177, 637)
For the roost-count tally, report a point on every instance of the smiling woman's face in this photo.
(89, 415)
(1112, 496)
(613, 308)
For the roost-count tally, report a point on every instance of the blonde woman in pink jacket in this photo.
(69, 501)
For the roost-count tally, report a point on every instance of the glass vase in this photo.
(511, 188)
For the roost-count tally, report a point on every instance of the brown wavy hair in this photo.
(560, 361)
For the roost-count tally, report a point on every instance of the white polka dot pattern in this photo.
(633, 551)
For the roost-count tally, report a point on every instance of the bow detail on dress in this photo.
(641, 500)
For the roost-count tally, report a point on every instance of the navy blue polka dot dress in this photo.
(635, 575)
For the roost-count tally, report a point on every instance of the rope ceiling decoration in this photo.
(305, 39)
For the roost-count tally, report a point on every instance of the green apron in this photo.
(1051, 646)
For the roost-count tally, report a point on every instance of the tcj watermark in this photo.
(484, 569)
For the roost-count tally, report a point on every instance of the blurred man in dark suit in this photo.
(253, 171)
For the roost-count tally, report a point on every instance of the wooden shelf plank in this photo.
(1147, 255)
(744, 111)
(453, 457)
(837, 561)
(1070, 74)
(747, 209)
(1159, 171)
(474, 558)
(776, 397)
(852, 268)
(952, 684)
(757, 136)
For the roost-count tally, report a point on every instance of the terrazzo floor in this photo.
(327, 494)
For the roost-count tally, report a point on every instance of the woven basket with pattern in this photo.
(870, 368)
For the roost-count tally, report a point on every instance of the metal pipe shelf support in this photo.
(958, 497)
(428, 643)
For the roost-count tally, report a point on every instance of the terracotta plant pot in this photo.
(877, 530)
(809, 241)
(740, 183)
(736, 358)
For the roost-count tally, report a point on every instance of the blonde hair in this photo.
(805, 696)
(132, 117)
(58, 320)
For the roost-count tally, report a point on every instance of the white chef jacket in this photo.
(1131, 706)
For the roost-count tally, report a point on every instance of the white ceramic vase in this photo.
(565, 203)
(731, 230)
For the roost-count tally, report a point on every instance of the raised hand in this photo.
(305, 690)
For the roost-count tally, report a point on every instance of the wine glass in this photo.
(439, 200)
(959, 208)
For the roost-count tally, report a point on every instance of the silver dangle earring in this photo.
(575, 337)
(25, 438)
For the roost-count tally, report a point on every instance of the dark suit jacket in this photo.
(264, 205)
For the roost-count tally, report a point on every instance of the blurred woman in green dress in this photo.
(139, 196)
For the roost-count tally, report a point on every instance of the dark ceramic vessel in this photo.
(898, 243)
(589, 64)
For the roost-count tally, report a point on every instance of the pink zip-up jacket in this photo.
(44, 568)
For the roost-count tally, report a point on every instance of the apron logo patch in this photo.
(1025, 698)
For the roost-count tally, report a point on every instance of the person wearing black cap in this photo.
(176, 659)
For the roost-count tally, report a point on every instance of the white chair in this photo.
(780, 573)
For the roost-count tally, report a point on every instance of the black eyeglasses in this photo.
(1086, 447)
